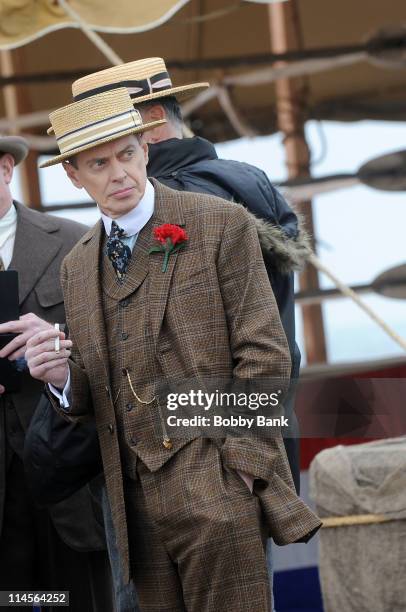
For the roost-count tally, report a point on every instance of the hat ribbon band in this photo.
(136, 88)
(98, 130)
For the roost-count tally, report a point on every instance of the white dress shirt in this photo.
(132, 223)
(8, 228)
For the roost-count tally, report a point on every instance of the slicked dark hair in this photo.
(72, 161)
(169, 103)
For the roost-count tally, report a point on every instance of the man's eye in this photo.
(98, 163)
(129, 153)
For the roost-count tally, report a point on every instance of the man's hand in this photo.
(27, 326)
(43, 362)
(2, 389)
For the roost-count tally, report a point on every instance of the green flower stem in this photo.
(166, 260)
(168, 249)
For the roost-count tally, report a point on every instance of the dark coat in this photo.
(41, 243)
(192, 164)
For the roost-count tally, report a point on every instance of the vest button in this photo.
(129, 406)
(167, 442)
(124, 303)
(133, 441)
(124, 336)
(124, 371)
(111, 428)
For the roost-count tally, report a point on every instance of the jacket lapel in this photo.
(167, 210)
(93, 288)
(139, 263)
(44, 244)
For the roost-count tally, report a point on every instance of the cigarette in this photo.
(57, 344)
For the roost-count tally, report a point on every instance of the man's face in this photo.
(113, 174)
(6, 174)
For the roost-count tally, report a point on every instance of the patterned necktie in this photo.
(118, 252)
(2, 267)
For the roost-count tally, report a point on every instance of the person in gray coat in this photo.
(63, 547)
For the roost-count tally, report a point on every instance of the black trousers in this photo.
(34, 557)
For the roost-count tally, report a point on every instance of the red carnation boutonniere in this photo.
(172, 238)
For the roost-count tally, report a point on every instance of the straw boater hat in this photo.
(96, 120)
(146, 79)
(16, 146)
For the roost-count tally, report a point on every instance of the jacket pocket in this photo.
(49, 296)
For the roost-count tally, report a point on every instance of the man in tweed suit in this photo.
(190, 531)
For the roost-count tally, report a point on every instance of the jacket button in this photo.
(111, 428)
(133, 441)
(124, 336)
(124, 371)
(129, 407)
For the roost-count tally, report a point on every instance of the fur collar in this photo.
(287, 254)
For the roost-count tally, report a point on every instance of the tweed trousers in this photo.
(197, 536)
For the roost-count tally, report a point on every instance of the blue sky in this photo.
(361, 231)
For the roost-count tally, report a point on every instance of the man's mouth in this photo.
(122, 193)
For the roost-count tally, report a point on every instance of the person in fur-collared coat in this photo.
(192, 164)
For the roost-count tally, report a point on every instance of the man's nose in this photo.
(118, 172)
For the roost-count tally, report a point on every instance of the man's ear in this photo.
(144, 147)
(155, 113)
(72, 173)
(7, 164)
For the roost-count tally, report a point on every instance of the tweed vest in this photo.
(140, 427)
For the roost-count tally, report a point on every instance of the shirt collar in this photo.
(8, 224)
(137, 218)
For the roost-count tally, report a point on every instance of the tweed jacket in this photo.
(41, 243)
(211, 313)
